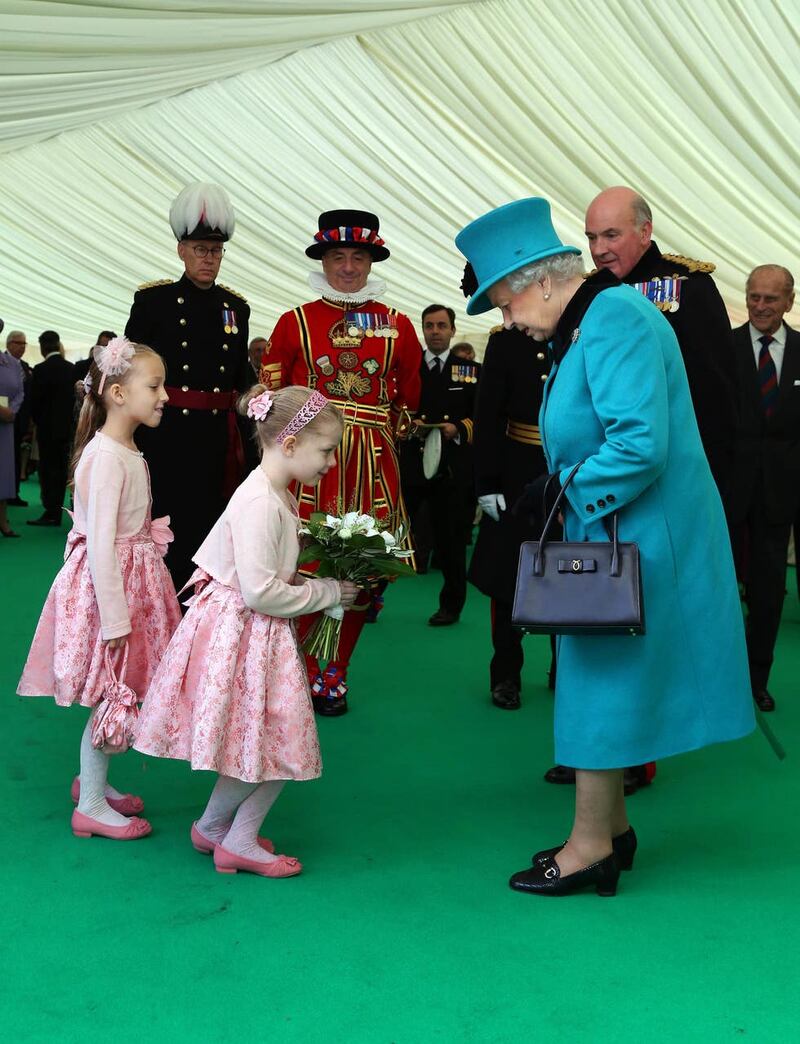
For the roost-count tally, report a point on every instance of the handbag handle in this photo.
(538, 558)
(109, 665)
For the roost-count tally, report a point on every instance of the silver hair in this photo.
(558, 266)
(787, 275)
(641, 211)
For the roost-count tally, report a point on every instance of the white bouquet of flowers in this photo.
(352, 547)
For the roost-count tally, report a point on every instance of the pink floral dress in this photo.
(113, 583)
(232, 693)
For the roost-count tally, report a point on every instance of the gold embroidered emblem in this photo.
(340, 337)
(348, 360)
(349, 386)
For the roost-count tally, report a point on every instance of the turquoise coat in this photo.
(619, 401)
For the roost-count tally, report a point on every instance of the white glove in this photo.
(492, 504)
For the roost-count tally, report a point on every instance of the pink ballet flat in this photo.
(229, 863)
(85, 826)
(127, 805)
(202, 843)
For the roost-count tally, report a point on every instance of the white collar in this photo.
(429, 357)
(779, 337)
(374, 289)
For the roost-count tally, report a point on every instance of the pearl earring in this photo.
(546, 297)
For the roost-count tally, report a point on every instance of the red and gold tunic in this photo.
(365, 358)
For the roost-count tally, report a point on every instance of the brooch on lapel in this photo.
(575, 335)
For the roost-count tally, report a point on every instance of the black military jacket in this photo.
(507, 451)
(202, 335)
(697, 314)
(446, 396)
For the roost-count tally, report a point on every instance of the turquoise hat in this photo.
(505, 239)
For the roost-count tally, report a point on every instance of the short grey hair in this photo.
(641, 211)
(787, 276)
(559, 267)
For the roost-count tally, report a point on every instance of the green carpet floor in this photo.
(402, 927)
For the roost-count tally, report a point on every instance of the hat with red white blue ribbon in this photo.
(348, 228)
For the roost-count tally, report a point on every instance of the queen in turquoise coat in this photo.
(617, 400)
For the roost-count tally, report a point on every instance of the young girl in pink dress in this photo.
(113, 591)
(231, 693)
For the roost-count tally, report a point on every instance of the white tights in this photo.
(235, 812)
(94, 789)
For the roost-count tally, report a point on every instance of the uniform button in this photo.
(590, 509)
(184, 344)
(186, 366)
(216, 389)
(185, 387)
(601, 503)
(222, 369)
(225, 304)
(215, 412)
(611, 498)
(185, 413)
(224, 347)
(543, 377)
(540, 355)
(182, 322)
(180, 300)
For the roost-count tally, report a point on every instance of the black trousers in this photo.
(760, 549)
(508, 658)
(444, 500)
(53, 470)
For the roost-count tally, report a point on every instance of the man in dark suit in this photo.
(200, 329)
(447, 402)
(765, 490)
(508, 455)
(52, 395)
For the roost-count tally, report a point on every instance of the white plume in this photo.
(201, 202)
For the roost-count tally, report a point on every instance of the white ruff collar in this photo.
(320, 285)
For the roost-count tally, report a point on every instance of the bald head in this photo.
(619, 227)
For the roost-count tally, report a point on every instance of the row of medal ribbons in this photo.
(371, 324)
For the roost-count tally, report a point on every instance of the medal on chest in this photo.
(229, 320)
(663, 291)
(463, 373)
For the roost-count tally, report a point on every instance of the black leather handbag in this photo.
(591, 587)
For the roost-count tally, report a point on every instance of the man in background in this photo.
(52, 397)
(765, 491)
(16, 344)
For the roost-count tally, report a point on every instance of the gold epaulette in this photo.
(690, 263)
(230, 290)
(155, 282)
(496, 329)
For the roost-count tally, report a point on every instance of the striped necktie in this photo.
(767, 376)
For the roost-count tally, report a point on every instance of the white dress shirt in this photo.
(776, 347)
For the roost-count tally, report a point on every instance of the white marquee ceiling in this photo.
(430, 115)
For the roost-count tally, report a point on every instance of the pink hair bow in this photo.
(161, 533)
(113, 358)
(259, 406)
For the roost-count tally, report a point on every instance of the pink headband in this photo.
(113, 359)
(313, 405)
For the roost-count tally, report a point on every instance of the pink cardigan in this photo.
(253, 548)
(112, 496)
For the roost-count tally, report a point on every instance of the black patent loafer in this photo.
(560, 774)
(443, 618)
(545, 878)
(330, 706)
(764, 700)
(624, 846)
(505, 695)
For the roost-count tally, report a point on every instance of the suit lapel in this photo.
(790, 371)
(744, 346)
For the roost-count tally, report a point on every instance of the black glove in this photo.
(531, 502)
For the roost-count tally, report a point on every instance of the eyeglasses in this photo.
(204, 251)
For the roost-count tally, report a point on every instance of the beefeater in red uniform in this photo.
(364, 357)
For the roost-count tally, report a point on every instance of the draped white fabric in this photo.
(428, 123)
